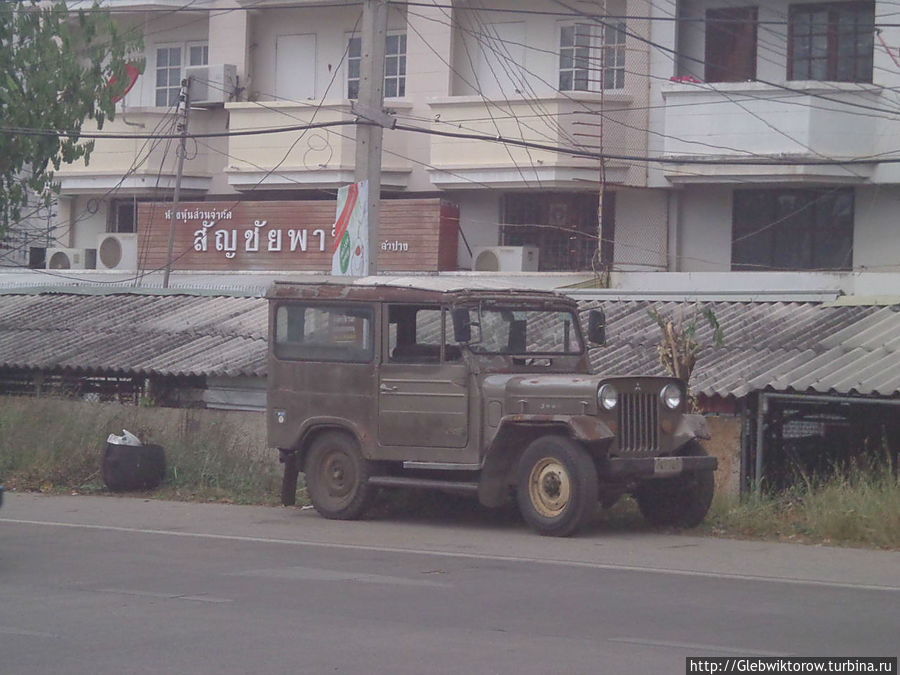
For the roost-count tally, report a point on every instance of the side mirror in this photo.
(462, 325)
(597, 327)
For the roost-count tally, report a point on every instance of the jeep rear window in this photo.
(323, 333)
(513, 331)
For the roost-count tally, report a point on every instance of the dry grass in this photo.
(855, 507)
(52, 444)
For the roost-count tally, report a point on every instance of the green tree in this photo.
(56, 67)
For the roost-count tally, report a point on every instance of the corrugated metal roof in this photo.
(783, 346)
(164, 334)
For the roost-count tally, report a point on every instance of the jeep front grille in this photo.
(638, 423)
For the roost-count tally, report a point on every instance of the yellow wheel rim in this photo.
(549, 487)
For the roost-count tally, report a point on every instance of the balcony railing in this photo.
(140, 164)
(803, 121)
(588, 122)
(321, 156)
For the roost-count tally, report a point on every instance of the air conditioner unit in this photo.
(211, 85)
(505, 258)
(117, 251)
(71, 258)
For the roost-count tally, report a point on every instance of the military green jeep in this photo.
(483, 391)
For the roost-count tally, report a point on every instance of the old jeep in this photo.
(482, 391)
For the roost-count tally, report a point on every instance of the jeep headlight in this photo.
(607, 397)
(671, 395)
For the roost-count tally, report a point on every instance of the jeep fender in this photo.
(690, 427)
(516, 432)
(314, 425)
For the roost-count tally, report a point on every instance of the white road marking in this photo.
(695, 648)
(162, 596)
(318, 574)
(21, 632)
(471, 556)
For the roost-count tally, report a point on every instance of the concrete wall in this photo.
(725, 445)
(704, 229)
(876, 244)
(479, 221)
(641, 230)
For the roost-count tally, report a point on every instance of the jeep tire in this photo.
(556, 486)
(337, 477)
(680, 501)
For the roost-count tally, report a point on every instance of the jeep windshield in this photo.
(524, 332)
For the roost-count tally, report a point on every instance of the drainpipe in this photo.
(762, 409)
(674, 221)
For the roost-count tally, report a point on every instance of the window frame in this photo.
(861, 62)
(731, 43)
(405, 343)
(571, 64)
(114, 221)
(184, 55)
(501, 315)
(769, 233)
(171, 92)
(599, 73)
(203, 44)
(562, 225)
(332, 352)
(354, 62)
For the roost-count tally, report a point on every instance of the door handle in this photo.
(386, 388)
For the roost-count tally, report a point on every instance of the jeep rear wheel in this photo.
(680, 501)
(337, 477)
(556, 486)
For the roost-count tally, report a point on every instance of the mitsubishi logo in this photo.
(637, 386)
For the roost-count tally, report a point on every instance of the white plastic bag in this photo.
(127, 438)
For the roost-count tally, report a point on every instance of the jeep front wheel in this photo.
(680, 501)
(556, 486)
(337, 477)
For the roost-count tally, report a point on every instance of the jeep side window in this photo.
(323, 333)
(415, 335)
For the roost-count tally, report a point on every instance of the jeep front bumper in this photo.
(655, 467)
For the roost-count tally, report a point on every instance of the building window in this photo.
(808, 229)
(198, 54)
(123, 217)
(168, 76)
(832, 42)
(169, 72)
(587, 62)
(394, 66)
(613, 63)
(563, 226)
(731, 44)
(575, 57)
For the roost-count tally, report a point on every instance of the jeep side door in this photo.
(321, 369)
(423, 387)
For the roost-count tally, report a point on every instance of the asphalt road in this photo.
(97, 585)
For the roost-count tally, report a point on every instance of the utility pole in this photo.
(182, 127)
(371, 118)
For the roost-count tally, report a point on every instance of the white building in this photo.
(745, 148)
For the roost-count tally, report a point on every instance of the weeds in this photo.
(856, 506)
(52, 444)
